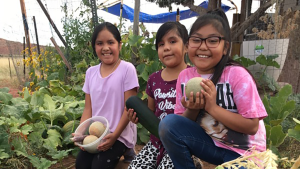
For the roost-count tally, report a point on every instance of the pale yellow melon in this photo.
(193, 85)
(89, 139)
(97, 128)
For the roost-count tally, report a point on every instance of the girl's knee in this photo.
(167, 124)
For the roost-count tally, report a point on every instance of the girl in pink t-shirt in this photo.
(225, 119)
(107, 86)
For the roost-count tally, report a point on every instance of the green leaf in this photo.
(8, 110)
(37, 99)
(5, 97)
(3, 155)
(277, 136)
(59, 155)
(27, 95)
(40, 163)
(294, 133)
(4, 89)
(53, 140)
(296, 120)
(26, 129)
(49, 104)
(140, 68)
(246, 62)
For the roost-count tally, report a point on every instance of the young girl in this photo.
(107, 87)
(226, 118)
(170, 43)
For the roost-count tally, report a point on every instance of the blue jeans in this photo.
(183, 137)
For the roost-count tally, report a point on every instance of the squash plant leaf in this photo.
(294, 133)
(277, 136)
(53, 140)
(3, 154)
(4, 89)
(5, 97)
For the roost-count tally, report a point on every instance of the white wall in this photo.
(274, 46)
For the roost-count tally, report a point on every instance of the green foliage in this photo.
(295, 133)
(262, 78)
(23, 122)
(278, 108)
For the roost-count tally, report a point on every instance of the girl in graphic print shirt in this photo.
(170, 43)
(226, 118)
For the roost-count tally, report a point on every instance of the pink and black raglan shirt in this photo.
(236, 92)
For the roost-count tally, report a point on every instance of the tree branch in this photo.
(236, 31)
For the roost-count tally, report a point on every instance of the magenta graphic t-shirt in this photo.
(236, 92)
(164, 95)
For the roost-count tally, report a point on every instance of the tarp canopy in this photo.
(128, 13)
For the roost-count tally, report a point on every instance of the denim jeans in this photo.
(183, 137)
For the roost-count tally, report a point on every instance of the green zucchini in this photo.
(146, 117)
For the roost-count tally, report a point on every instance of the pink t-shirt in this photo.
(107, 96)
(236, 92)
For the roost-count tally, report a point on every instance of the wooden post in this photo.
(121, 12)
(52, 23)
(177, 15)
(9, 68)
(24, 47)
(61, 54)
(25, 24)
(135, 30)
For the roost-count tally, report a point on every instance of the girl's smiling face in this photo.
(171, 49)
(107, 47)
(203, 57)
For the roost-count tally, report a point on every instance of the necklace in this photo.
(113, 66)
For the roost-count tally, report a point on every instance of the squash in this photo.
(68, 127)
(146, 117)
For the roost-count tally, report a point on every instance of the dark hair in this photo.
(217, 18)
(168, 26)
(110, 27)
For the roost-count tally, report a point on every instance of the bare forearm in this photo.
(85, 115)
(122, 124)
(235, 121)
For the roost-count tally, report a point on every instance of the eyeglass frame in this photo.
(204, 39)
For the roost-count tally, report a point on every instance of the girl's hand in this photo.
(110, 139)
(190, 104)
(132, 116)
(209, 93)
(75, 143)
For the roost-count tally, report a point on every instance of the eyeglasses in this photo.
(211, 42)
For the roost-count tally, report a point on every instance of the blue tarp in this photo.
(128, 12)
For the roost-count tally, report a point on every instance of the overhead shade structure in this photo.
(127, 12)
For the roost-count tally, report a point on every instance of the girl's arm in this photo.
(234, 121)
(87, 111)
(231, 120)
(151, 103)
(124, 119)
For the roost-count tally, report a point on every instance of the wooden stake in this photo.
(9, 67)
(61, 54)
